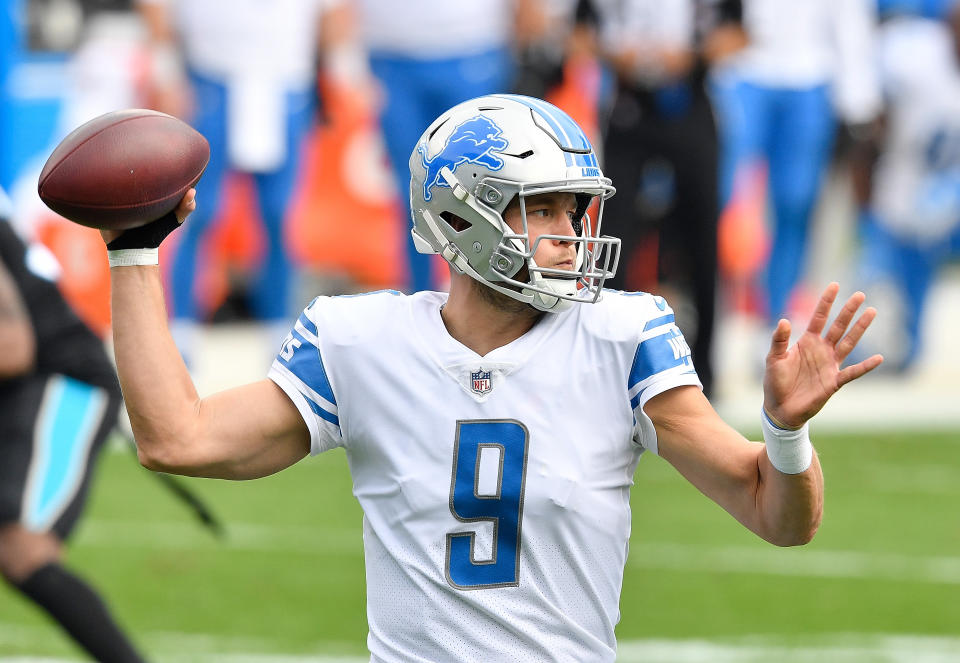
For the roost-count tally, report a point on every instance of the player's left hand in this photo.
(800, 379)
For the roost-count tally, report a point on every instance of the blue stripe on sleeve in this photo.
(307, 324)
(323, 414)
(635, 401)
(307, 364)
(656, 355)
(657, 322)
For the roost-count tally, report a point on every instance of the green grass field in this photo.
(881, 581)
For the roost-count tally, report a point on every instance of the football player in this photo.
(59, 400)
(493, 431)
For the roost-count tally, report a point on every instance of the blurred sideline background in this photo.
(342, 232)
(879, 583)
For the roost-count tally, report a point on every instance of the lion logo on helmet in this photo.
(474, 141)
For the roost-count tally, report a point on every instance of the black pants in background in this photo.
(660, 150)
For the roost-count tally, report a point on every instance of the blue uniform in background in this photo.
(911, 225)
(274, 188)
(251, 68)
(429, 57)
(778, 100)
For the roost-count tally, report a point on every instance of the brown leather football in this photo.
(123, 169)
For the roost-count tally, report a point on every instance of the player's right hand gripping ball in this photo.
(123, 169)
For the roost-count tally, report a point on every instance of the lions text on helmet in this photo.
(489, 156)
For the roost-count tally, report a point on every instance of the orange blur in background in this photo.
(345, 217)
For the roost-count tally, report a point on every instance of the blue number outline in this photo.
(471, 536)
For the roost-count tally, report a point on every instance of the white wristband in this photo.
(790, 451)
(130, 257)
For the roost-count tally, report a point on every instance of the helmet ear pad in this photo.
(458, 223)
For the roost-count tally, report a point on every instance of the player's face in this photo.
(548, 214)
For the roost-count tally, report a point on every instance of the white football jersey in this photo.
(495, 489)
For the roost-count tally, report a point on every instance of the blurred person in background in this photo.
(558, 63)
(59, 399)
(429, 56)
(95, 65)
(660, 147)
(910, 188)
(243, 73)
(103, 73)
(540, 59)
(805, 65)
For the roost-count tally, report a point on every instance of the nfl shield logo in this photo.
(480, 382)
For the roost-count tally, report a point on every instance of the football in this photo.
(123, 169)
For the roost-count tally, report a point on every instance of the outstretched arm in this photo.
(783, 508)
(243, 433)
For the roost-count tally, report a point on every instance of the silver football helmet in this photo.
(473, 160)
